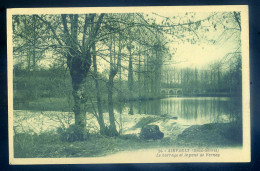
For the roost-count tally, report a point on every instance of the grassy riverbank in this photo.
(215, 134)
(49, 144)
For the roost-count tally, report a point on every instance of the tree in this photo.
(28, 36)
(100, 117)
(75, 46)
(114, 65)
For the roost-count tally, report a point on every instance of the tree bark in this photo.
(130, 79)
(99, 104)
(79, 109)
(112, 126)
(79, 67)
(110, 86)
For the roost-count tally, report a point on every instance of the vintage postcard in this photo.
(128, 85)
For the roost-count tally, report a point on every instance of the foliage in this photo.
(50, 146)
(27, 145)
(73, 133)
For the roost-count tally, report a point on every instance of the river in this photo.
(194, 110)
(172, 114)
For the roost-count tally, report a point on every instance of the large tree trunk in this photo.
(110, 85)
(99, 105)
(79, 109)
(79, 67)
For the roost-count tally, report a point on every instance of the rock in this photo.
(151, 132)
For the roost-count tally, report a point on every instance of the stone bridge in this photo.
(171, 91)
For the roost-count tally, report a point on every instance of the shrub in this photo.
(32, 145)
(73, 133)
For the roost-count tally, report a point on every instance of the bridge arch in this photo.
(163, 92)
(171, 92)
(179, 92)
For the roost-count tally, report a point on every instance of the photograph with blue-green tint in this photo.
(96, 84)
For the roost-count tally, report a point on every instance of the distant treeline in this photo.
(49, 87)
(219, 79)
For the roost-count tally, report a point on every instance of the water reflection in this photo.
(197, 110)
(186, 111)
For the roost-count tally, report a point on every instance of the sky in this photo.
(201, 54)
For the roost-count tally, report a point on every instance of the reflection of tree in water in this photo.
(131, 108)
(194, 110)
(139, 106)
(236, 110)
(211, 110)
